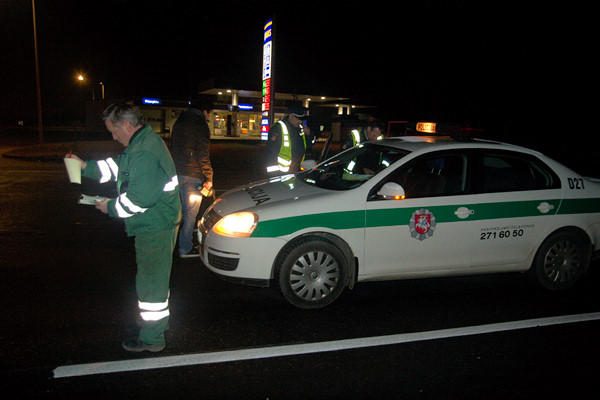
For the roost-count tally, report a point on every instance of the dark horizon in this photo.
(498, 68)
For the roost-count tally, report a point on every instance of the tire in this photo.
(562, 259)
(312, 273)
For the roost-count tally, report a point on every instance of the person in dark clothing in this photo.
(287, 143)
(190, 148)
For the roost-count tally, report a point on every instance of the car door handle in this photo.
(463, 212)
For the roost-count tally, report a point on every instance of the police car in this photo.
(407, 207)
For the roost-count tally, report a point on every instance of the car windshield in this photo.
(353, 167)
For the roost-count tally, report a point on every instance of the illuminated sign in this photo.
(426, 127)
(266, 80)
(266, 95)
(245, 106)
(267, 50)
(148, 100)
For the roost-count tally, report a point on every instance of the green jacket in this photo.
(147, 184)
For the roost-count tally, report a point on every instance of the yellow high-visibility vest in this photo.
(284, 158)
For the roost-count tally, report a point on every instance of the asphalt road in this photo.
(68, 300)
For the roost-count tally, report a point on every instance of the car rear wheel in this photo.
(562, 259)
(312, 273)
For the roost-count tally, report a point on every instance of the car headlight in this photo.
(239, 224)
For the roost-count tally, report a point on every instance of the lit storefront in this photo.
(236, 113)
(239, 124)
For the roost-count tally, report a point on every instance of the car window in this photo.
(504, 171)
(433, 175)
(353, 167)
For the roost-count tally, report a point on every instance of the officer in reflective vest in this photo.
(287, 143)
(356, 136)
(372, 132)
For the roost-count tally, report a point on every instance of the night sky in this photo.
(503, 67)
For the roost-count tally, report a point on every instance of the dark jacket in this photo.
(190, 141)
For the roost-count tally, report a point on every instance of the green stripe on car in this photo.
(401, 216)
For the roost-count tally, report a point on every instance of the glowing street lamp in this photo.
(81, 78)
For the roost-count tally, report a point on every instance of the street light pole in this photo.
(102, 88)
(38, 91)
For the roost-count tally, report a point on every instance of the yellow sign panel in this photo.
(426, 127)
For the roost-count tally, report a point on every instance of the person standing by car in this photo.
(148, 203)
(372, 131)
(286, 147)
(190, 147)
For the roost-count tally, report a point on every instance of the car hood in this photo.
(265, 194)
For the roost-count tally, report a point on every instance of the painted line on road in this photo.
(309, 348)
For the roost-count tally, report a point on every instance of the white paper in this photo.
(73, 166)
(90, 200)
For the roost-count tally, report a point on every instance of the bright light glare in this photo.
(195, 198)
(240, 224)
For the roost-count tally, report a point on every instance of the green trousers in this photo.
(154, 259)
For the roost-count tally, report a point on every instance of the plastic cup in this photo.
(73, 169)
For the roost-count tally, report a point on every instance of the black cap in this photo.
(297, 111)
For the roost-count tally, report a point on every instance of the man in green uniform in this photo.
(148, 203)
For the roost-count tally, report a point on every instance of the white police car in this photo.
(408, 207)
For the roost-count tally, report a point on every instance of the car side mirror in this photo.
(391, 191)
(307, 164)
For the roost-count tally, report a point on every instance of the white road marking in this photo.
(309, 348)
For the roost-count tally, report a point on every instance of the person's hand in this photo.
(102, 205)
(74, 156)
(206, 189)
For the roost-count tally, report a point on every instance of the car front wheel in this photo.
(312, 273)
(562, 259)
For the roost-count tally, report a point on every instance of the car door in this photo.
(514, 195)
(419, 234)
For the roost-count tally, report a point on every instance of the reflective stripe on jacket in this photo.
(356, 139)
(147, 186)
(286, 151)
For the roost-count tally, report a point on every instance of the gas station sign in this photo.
(267, 84)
